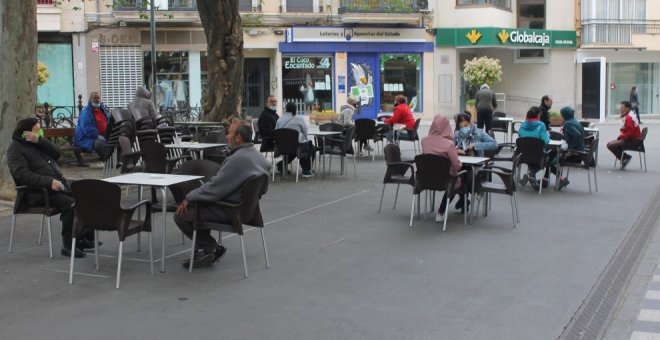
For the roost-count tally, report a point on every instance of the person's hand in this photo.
(182, 208)
(31, 137)
(101, 138)
(56, 185)
(460, 151)
(471, 146)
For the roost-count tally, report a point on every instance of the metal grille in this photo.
(591, 319)
(121, 74)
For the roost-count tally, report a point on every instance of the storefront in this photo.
(321, 66)
(534, 63)
(55, 51)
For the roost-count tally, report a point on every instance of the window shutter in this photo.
(121, 74)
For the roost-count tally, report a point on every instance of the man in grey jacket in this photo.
(244, 163)
(486, 104)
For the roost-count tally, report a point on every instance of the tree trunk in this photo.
(18, 76)
(224, 36)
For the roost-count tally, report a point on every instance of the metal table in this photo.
(322, 135)
(474, 162)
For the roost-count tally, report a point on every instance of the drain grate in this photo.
(593, 315)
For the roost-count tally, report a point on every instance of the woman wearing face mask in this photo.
(92, 127)
(470, 140)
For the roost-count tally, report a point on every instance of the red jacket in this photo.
(630, 127)
(402, 115)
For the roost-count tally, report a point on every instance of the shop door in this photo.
(591, 90)
(256, 72)
(58, 90)
(364, 79)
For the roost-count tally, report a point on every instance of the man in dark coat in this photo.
(267, 120)
(546, 104)
(32, 162)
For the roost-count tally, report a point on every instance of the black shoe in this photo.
(459, 204)
(87, 244)
(221, 250)
(67, 252)
(626, 159)
(202, 259)
(545, 183)
(468, 207)
(563, 183)
(534, 183)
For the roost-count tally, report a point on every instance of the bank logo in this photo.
(504, 36)
(473, 36)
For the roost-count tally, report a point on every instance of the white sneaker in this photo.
(439, 217)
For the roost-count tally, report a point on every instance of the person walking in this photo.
(634, 102)
(486, 104)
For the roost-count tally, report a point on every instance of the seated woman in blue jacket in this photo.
(92, 127)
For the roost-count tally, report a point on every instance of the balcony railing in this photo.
(616, 32)
(44, 2)
(139, 5)
(378, 6)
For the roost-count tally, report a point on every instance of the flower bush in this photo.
(482, 70)
(42, 73)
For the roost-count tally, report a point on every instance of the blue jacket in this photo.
(86, 131)
(534, 129)
(573, 131)
(481, 140)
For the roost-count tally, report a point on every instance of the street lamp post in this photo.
(153, 52)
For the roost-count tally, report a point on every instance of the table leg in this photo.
(164, 232)
(139, 216)
(509, 131)
(474, 170)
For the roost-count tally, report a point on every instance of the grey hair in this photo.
(485, 87)
(244, 129)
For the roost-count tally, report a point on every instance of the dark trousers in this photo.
(617, 146)
(306, 157)
(462, 192)
(103, 149)
(64, 203)
(204, 239)
(485, 118)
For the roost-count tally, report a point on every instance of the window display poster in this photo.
(342, 83)
(355, 91)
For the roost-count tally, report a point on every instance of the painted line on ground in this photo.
(77, 273)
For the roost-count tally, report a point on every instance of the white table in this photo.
(474, 162)
(555, 143)
(509, 127)
(322, 135)
(154, 180)
(194, 146)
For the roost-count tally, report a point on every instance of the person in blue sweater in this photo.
(533, 127)
(471, 140)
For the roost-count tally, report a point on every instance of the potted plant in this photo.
(471, 107)
(479, 71)
(555, 118)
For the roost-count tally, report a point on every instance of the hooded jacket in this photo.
(534, 128)
(86, 130)
(573, 131)
(142, 103)
(440, 141)
(630, 126)
(402, 115)
(346, 115)
(481, 140)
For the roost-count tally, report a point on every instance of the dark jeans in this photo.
(103, 149)
(485, 118)
(462, 192)
(204, 239)
(307, 153)
(64, 203)
(617, 146)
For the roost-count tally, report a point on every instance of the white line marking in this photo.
(653, 295)
(77, 273)
(656, 278)
(636, 335)
(652, 315)
(333, 243)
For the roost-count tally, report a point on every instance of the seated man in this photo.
(630, 135)
(290, 121)
(92, 127)
(267, 122)
(401, 115)
(31, 160)
(244, 163)
(533, 127)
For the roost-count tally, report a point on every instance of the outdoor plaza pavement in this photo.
(340, 270)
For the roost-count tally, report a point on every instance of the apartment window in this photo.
(499, 3)
(612, 21)
(614, 10)
(306, 6)
(531, 14)
(245, 5)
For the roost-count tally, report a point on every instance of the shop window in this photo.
(498, 3)
(308, 82)
(531, 14)
(530, 56)
(400, 74)
(172, 71)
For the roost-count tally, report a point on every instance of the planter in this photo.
(323, 118)
(556, 121)
(472, 110)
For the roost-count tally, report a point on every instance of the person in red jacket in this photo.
(630, 135)
(402, 115)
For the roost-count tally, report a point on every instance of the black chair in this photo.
(532, 153)
(257, 134)
(334, 127)
(121, 124)
(341, 147)
(396, 172)
(217, 154)
(412, 136)
(584, 123)
(154, 156)
(500, 125)
(286, 143)
(166, 129)
(129, 158)
(365, 130)
(433, 175)
(554, 135)
(21, 207)
(587, 162)
(639, 148)
(245, 212)
(105, 212)
(485, 185)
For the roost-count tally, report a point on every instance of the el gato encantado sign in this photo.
(492, 36)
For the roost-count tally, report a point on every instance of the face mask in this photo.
(96, 105)
(274, 107)
(465, 130)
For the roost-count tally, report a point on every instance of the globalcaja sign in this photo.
(504, 37)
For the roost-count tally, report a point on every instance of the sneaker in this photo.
(221, 250)
(307, 174)
(563, 183)
(626, 159)
(368, 148)
(524, 180)
(67, 253)
(201, 259)
(439, 217)
(534, 183)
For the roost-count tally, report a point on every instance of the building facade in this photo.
(311, 52)
(535, 41)
(619, 49)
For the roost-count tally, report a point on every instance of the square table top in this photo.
(473, 160)
(555, 143)
(199, 123)
(509, 119)
(591, 129)
(324, 133)
(157, 180)
(193, 145)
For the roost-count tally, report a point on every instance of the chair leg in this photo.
(96, 250)
(219, 237)
(119, 258)
(297, 168)
(192, 251)
(355, 166)
(444, 225)
(151, 254)
(595, 179)
(41, 229)
(396, 196)
(11, 232)
(645, 169)
(640, 161)
(71, 262)
(50, 240)
(515, 201)
(412, 210)
(244, 259)
(513, 212)
(263, 241)
(589, 180)
(381, 199)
